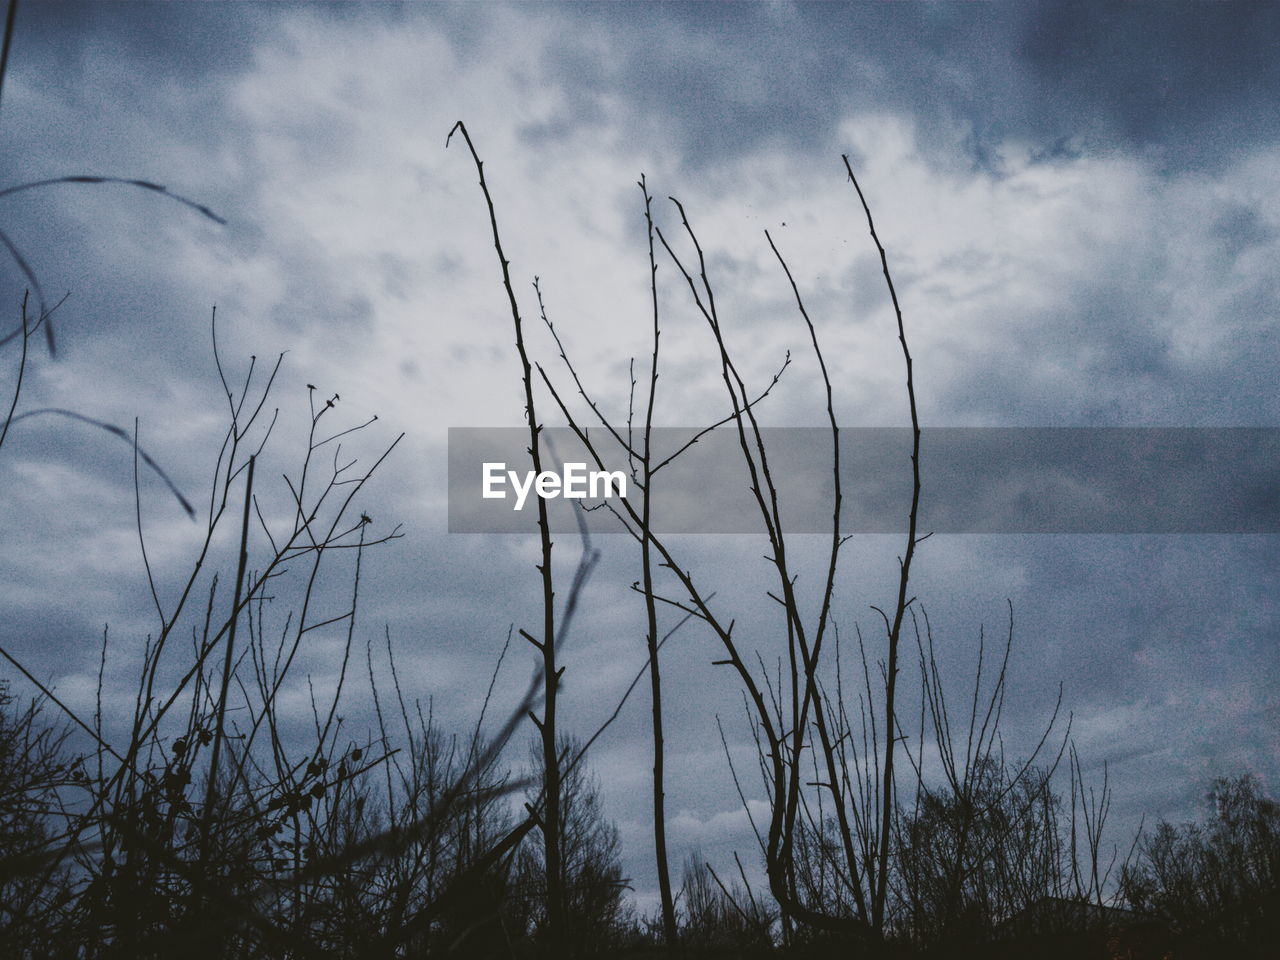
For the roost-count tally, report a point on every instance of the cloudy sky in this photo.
(1079, 202)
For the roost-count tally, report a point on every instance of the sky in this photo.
(1080, 209)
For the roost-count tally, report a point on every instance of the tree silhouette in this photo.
(34, 766)
(591, 865)
(1217, 881)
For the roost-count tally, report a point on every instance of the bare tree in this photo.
(590, 865)
(36, 765)
(786, 728)
(669, 929)
(1216, 881)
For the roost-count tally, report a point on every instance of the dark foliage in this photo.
(1216, 882)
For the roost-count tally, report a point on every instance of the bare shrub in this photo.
(1216, 881)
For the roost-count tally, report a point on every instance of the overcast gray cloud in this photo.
(1078, 200)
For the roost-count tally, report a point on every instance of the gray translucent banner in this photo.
(975, 480)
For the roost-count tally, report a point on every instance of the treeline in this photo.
(273, 874)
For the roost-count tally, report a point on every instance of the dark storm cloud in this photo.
(161, 42)
(164, 41)
(1190, 83)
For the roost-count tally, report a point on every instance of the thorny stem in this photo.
(547, 645)
(651, 610)
(900, 608)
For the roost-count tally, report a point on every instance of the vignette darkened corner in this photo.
(581, 480)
